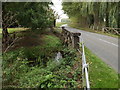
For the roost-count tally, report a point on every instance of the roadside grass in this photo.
(57, 31)
(94, 31)
(100, 74)
(0, 36)
(52, 41)
(58, 24)
(119, 80)
(11, 30)
(36, 66)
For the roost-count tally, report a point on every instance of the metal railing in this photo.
(75, 38)
(85, 76)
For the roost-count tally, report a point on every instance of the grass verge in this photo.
(11, 30)
(58, 24)
(100, 74)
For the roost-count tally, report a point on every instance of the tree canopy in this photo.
(97, 14)
(30, 14)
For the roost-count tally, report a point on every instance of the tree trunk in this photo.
(4, 29)
(96, 21)
(118, 15)
(4, 38)
(107, 15)
(83, 22)
(96, 15)
(54, 22)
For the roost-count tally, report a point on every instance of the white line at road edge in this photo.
(109, 42)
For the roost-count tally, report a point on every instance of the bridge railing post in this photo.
(70, 38)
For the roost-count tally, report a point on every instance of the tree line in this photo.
(94, 15)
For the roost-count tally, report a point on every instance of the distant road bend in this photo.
(103, 46)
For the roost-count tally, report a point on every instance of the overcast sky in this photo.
(58, 8)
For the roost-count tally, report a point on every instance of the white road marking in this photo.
(109, 42)
(104, 41)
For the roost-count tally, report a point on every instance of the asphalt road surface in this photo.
(103, 46)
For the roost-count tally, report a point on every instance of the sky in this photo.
(58, 8)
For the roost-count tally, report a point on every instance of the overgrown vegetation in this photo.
(11, 30)
(30, 63)
(100, 74)
(36, 66)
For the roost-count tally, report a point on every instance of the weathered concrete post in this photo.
(75, 40)
(64, 34)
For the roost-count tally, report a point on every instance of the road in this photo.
(103, 46)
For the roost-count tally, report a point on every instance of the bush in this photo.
(36, 66)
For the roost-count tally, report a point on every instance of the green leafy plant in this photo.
(36, 66)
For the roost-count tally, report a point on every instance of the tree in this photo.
(27, 14)
(35, 15)
(8, 19)
(118, 17)
(97, 14)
